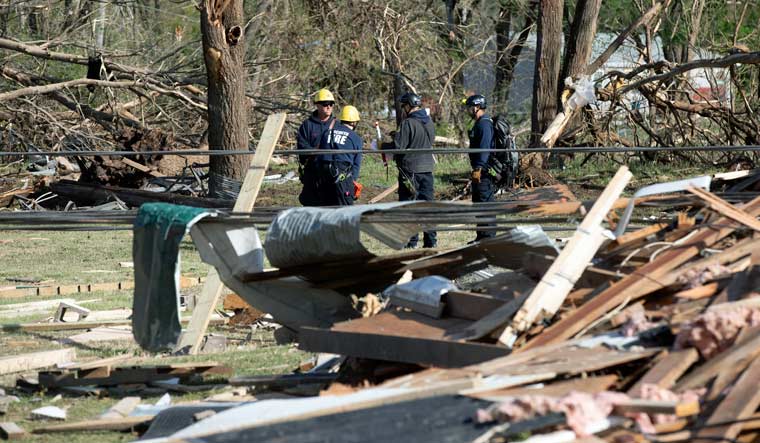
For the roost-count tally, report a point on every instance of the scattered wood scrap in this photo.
(34, 360)
(108, 376)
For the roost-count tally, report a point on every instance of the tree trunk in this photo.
(548, 54)
(101, 26)
(224, 53)
(696, 25)
(582, 33)
(578, 48)
(507, 57)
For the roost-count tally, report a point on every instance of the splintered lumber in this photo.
(107, 376)
(109, 424)
(551, 291)
(34, 360)
(191, 338)
(725, 208)
(667, 371)
(638, 235)
(641, 282)
(740, 404)
(11, 431)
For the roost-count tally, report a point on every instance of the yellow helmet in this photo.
(323, 95)
(349, 114)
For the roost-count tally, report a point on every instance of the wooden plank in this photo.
(398, 336)
(113, 424)
(556, 284)
(191, 338)
(643, 281)
(725, 208)
(679, 409)
(637, 235)
(34, 360)
(740, 403)
(127, 375)
(589, 385)
(667, 371)
(384, 194)
(704, 291)
(141, 167)
(11, 431)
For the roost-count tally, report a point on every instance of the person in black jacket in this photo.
(481, 137)
(415, 171)
(309, 136)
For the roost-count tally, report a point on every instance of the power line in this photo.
(310, 152)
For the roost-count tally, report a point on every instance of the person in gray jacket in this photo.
(415, 170)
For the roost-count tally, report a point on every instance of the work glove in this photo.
(357, 190)
(476, 175)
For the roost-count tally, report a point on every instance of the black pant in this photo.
(327, 184)
(417, 186)
(483, 192)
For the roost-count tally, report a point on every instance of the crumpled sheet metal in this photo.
(230, 248)
(301, 236)
(512, 245)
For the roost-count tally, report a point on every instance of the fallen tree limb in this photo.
(46, 89)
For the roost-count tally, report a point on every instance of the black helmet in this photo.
(476, 100)
(411, 99)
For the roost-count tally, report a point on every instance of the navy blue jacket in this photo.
(344, 138)
(310, 133)
(481, 137)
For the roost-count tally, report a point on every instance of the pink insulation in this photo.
(715, 330)
(582, 409)
(698, 277)
(636, 323)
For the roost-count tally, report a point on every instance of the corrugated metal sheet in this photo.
(308, 235)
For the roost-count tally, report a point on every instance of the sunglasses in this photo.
(326, 104)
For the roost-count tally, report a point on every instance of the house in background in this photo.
(707, 84)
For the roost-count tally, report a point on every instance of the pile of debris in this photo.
(648, 335)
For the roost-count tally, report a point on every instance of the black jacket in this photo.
(416, 132)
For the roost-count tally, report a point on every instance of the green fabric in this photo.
(158, 231)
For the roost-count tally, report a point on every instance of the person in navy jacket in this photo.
(308, 137)
(481, 137)
(337, 173)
